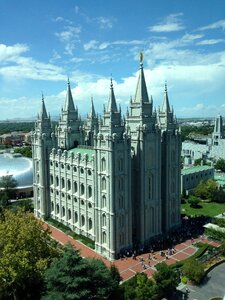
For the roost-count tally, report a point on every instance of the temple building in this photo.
(113, 179)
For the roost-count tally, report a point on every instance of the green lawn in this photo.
(207, 209)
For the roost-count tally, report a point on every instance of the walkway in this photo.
(128, 267)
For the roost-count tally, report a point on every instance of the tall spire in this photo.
(92, 113)
(141, 94)
(165, 105)
(112, 107)
(69, 105)
(43, 113)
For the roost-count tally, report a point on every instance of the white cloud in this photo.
(211, 42)
(93, 44)
(69, 36)
(216, 25)
(191, 37)
(17, 67)
(169, 24)
(10, 53)
(105, 23)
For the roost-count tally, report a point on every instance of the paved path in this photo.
(128, 267)
(212, 286)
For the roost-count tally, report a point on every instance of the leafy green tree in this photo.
(72, 277)
(222, 247)
(7, 187)
(206, 189)
(193, 201)
(194, 270)
(139, 288)
(25, 151)
(26, 250)
(220, 164)
(166, 278)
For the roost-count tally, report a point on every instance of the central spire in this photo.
(43, 113)
(165, 105)
(69, 105)
(112, 107)
(141, 94)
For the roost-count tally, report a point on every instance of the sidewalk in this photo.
(128, 267)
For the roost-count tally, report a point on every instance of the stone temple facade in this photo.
(113, 179)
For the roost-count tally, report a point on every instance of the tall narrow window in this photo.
(104, 237)
(90, 224)
(103, 201)
(68, 184)
(103, 164)
(89, 191)
(82, 189)
(69, 214)
(103, 220)
(103, 183)
(82, 221)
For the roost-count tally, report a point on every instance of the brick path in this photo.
(128, 267)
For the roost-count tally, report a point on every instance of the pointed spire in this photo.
(165, 105)
(92, 113)
(43, 113)
(141, 94)
(112, 100)
(69, 105)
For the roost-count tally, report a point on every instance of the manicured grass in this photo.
(210, 209)
(83, 239)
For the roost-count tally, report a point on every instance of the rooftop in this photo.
(195, 169)
(83, 150)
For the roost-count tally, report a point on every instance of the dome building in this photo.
(21, 168)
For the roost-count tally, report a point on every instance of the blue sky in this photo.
(43, 42)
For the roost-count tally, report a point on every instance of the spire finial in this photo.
(141, 57)
(68, 80)
(42, 96)
(165, 85)
(111, 82)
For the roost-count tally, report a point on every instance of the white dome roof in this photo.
(21, 168)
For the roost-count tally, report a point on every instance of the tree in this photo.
(25, 151)
(139, 287)
(194, 270)
(7, 187)
(193, 201)
(26, 250)
(220, 164)
(72, 277)
(166, 278)
(206, 189)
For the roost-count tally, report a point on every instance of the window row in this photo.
(68, 167)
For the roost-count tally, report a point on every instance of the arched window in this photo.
(121, 221)
(103, 183)
(150, 186)
(68, 184)
(75, 217)
(51, 179)
(82, 189)
(69, 214)
(121, 202)
(82, 220)
(63, 183)
(52, 206)
(103, 220)
(89, 205)
(75, 187)
(104, 237)
(120, 164)
(103, 164)
(90, 224)
(37, 165)
(120, 184)
(57, 208)
(57, 181)
(63, 211)
(89, 192)
(38, 178)
(103, 201)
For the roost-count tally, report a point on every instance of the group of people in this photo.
(189, 229)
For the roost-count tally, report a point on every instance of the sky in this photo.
(43, 42)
